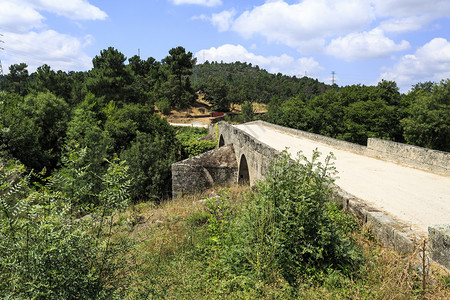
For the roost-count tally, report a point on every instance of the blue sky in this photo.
(362, 41)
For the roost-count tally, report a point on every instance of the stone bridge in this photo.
(401, 191)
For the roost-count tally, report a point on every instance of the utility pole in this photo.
(333, 80)
(1, 68)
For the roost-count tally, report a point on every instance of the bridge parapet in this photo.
(412, 156)
(258, 155)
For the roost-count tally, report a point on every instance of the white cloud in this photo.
(403, 24)
(274, 64)
(366, 45)
(22, 16)
(310, 20)
(430, 62)
(223, 20)
(410, 15)
(18, 17)
(407, 8)
(28, 39)
(208, 3)
(72, 9)
(60, 51)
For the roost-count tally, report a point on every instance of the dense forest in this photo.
(237, 83)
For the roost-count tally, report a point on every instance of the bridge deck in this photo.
(414, 197)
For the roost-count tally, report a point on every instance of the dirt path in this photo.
(413, 197)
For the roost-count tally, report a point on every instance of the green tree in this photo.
(144, 74)
(123, 124)
(247, 111)
(428, 120)
(34, 129)
(86, 129)
(47, 80)
(177, 87)
(109, 77)
(17, 79)
(217, 95)
(150, 157)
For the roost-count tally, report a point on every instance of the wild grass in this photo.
(174, 260)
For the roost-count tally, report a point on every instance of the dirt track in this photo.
(413, 197)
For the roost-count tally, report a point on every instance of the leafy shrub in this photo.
(190, 146)
(46, 253)
(33, 128)
(150, 158)
(164, 106)
(247, 111)
(194, 148)
(287, 224)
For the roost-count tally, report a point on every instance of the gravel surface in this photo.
(413, 197)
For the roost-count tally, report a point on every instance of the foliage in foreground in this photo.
(46, 252)
(289, 214)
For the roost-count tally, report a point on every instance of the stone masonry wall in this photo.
(418, 157)
(408, 155)
(258, 155)
(201, 172)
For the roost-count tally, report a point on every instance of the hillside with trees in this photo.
(237, 83)
(108, 110)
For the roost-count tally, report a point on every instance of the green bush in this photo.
(46, 253)
(194, 148)
(150, 158)
(289, 227)
(190, 146)
(164, 106)
(247, 111)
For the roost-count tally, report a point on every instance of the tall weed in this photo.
(287, 226)
(45, 252)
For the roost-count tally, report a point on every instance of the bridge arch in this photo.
(243, 173)
(221, 141)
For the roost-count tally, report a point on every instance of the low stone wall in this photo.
(315, 137)
(388, 231)
(408, 155)
(203, 171)
(418, 157)
(439, 237)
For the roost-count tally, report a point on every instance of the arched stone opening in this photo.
(221, 141)
(244, 175)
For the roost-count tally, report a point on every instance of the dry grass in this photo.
(164, 236)
(386, 275)
(201, 108)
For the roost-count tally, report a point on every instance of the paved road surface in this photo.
(414, 197)
(195, 124)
